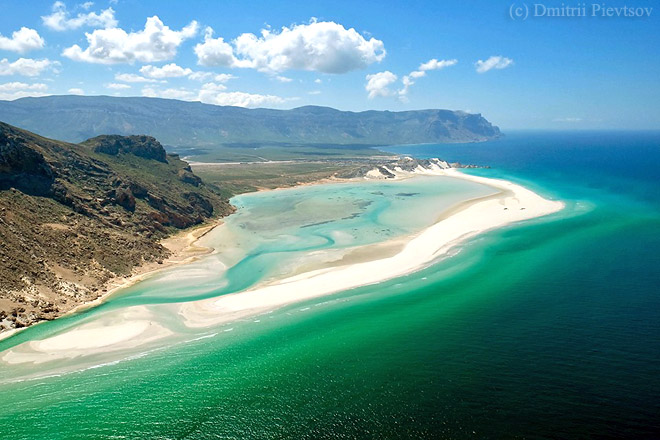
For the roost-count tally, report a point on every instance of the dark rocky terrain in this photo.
(73, 216)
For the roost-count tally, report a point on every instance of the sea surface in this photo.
(545, 329)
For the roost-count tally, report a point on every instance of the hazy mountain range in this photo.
(193, 124)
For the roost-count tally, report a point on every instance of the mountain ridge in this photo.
(195, 124)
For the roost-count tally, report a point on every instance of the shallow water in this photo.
(547, 329)
(273, 235)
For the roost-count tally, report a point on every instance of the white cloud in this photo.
(167, 71)
(494, 62)
(133, 78)
(214, 93)
(224, 77)
(117, 86)
(76, 91)
(15, 90)
(314, 92)
(378, 84)
(318, 81)
(283, 79)
(408, 80)
(201, 76)
(22, 40)
(318, 46)
(87, 5)
(181, 94)
(25, 66)
(156, 42)
(61, 20)
(209, 90)
(172, 70)
(242, 99)
(437, 65)
(215, 51)
(206, 76)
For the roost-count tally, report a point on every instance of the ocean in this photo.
(545, 329)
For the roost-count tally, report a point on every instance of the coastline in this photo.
(182, 251)
(512, 203)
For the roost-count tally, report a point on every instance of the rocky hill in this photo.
(193, 124)
(73, 216)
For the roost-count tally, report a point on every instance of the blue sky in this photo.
(538, 72)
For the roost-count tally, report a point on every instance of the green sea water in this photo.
(545, 329)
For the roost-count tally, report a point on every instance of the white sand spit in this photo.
(514, 203)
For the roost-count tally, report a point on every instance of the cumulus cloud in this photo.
(156, 42)
(25, 66)
(326, 47)
(215, 93)
(201, 76)
(181, 94)
(436, 65)
(215, 52)
(167, 71)
(224, 77)
(76, 91)
(117, 86)
(407, 81)
(22, 40)
(15, 90)
(283, 79)
(378, 84)
(206, 76)
(133, 78)
(433, 64)
(61, 20)
(242, 99)
(494, 62)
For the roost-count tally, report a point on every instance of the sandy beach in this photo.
(183, 249)
(134, 327)
(513, 203)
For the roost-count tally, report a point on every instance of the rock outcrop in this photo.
(74, 216)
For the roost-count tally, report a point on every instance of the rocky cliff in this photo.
(74, 216)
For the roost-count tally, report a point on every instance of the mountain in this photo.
(193, 124)
(73, 216)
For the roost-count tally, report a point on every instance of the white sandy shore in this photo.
(514, 203)
(134, 327)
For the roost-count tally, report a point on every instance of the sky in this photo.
(522, 65)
